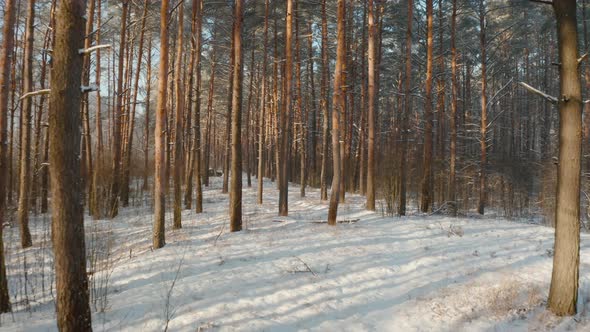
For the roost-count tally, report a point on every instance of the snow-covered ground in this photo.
(421, 273)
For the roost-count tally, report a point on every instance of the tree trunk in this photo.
(324, 105)
(119, 113)
(313, 136)
(563, 293)
(73, 310)
(253, 71)
(371, 112)
(453, 120)
(88, 177)
(407, 108)
(235, 197)
(484, 106)
(133, 101)
(148, 90)
(210, 115)
(95, 208)
(190, 87)
(440, 104)
(197, 133)
(426, 197)
(160, 134)
(263, 111)
(38, 122)
(26, 128)
(299, 101)
(228, 117)
(178, 150)
(285, 114)
(5, 66)
(338, 105)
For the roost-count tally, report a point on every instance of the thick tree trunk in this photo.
(160, 134)
(73, 310)
(5, 66)
(235, 197)
(338, 105)
(563, 293)
(26, 129)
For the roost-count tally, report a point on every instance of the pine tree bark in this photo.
(563, 292)
(314, 117)
(484, 107)
(285, 114)
(73, 310)
(197, 105)
(24, 200)
(160, 134)
(210, 116)
(5, 66)
(189, 104)
(119, 113)
(338, 105)
(178, 150)
(35, 190)
(228, 117)
(88, 177)
(235, 197)
(371, 111)
(300, 110)
(324, 105)
(263, 110)
(99, 162)
(251, 94)
(148, 90)
(440, 103)
(426, 197)
(401, 208)
(125, 174)
(453, 119)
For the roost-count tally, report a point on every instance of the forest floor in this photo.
(417, 273)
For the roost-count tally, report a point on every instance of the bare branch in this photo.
(92, 49)
(582, 58)
(35, 93)
(549, 98)
(546, 2)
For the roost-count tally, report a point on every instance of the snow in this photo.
(418, 273)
